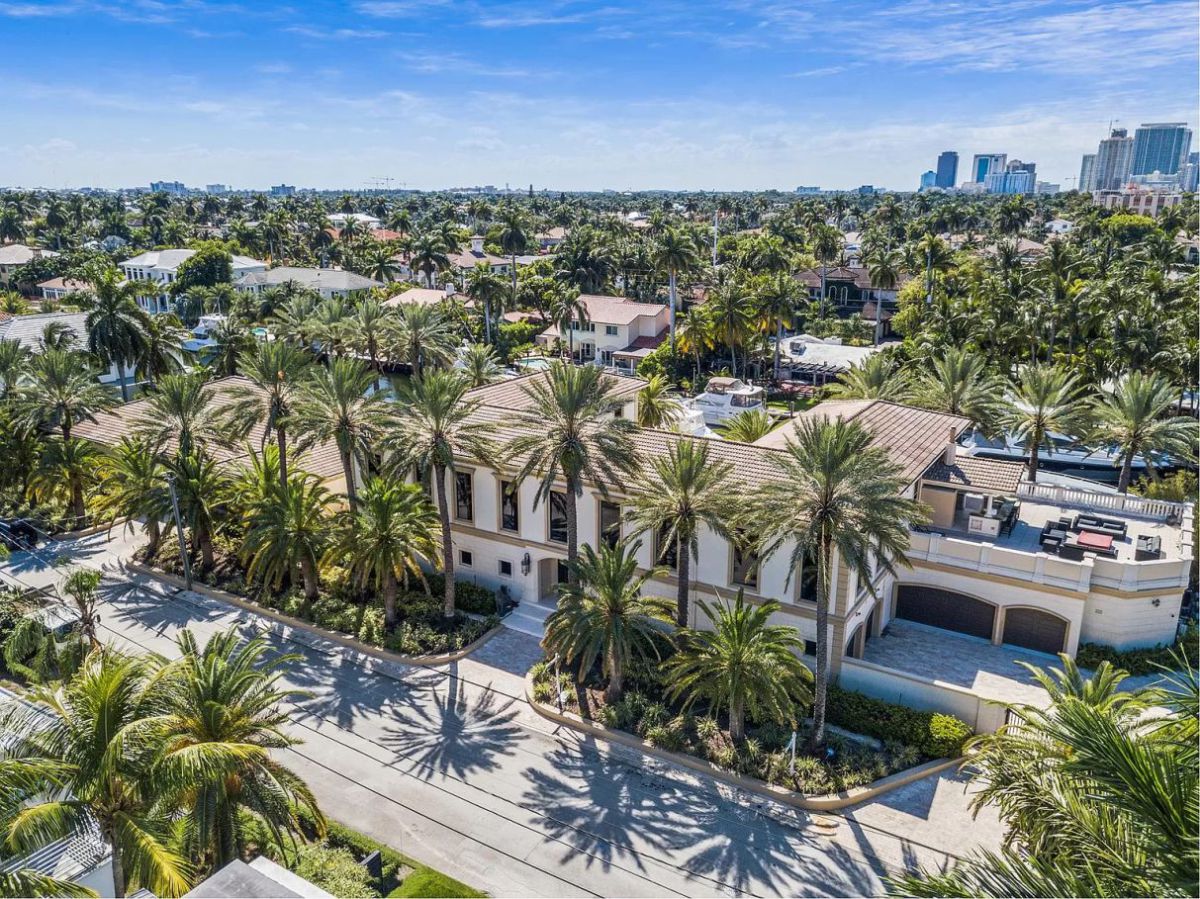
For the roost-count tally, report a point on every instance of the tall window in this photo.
(510, 516)
(666, 551)
(745, 563)
(558, 517)
(808, 575)
(464, 495)
(610, 523)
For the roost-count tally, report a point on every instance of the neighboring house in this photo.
(464, 261)
(59, 288)
(1137, 200)
(27, 330)
(848, 288)
(981, 587)
(818, 361)
(15, 255)
(1028, 250)
(1059, 226)
(618, 332)
(551, 238)
(421, 296)
(339, 219)
(328, 282)
(260, 879)
(162, 267)
(84, 858)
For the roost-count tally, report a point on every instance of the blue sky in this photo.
(575, 95)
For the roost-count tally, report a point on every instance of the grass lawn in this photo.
(427, 882)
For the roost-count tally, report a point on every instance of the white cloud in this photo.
(336, 34)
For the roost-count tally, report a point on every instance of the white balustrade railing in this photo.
(1125, 503)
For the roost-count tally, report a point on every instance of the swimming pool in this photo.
(534, 363)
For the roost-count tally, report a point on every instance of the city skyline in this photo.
(575, 96)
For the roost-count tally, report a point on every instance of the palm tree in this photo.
(435, 427)
(429, 256)
(115, 322)
(571, 433)
(1132, 417)
(14, 362)
(233, 342)
(732, 316)
(1098, 798)
(513, 238)
(675, 253)
(135, 487)
(65, 468)
(479, 364)
(874, 378)
(277, 370)
(568, 312)
(959, 383)
(379, 262)
(487, 289)
(749, 426)
(606, 617)
(696, 336)
(423, 335)
(744, 664)
(80, 585)
(656, 408)
(826, 243)
(1045, 399)
(370, 325)
(203, 491)
(160, 353)
(776, 305)
(386, 537)
(287, 531)
(333, 407)
(181, 410)
(837, 496)
(681, 493)
(222, 718)
(92, 766)
(883, 267)
(61, 391)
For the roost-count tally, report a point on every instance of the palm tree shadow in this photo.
(453, 735)
(339, 690)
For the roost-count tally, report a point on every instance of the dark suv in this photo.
(18, 533)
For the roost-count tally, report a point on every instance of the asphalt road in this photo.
(452, 767)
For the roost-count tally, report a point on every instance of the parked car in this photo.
(18, 533)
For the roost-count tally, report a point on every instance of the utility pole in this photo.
(183, 550)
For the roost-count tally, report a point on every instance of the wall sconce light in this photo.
(1156, 602)
(526, 563)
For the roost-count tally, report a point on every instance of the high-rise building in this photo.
(928, 179)
(1189, 178)
(1016, 177)
(168, 187)
(283, 190)
(1160, 147)
(1113, 159)
(985, 164)
(1086, 170)
(216, 188)
(947, 169)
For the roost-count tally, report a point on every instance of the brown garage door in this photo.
(945, 609)
(1035, 629)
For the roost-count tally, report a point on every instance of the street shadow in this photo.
(449, 733)
(341, 691)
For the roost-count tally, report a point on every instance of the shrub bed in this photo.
(908, 737)
(421, 627)
(1137, 662)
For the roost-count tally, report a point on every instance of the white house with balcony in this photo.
(162, 267)
(616, 332)
(328, 282)
(1005, 570)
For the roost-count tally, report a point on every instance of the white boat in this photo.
(724, 398)
(1064, 455)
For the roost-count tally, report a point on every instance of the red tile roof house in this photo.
(618, 332)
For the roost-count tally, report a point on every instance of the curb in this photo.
(89, 531)
(307, 627)
(827, 803)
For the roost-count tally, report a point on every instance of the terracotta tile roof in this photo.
(912, 437)
(510, 395)
(606, 310)
(842, 273)
(974, 471)
(421, 296)
(109, 427)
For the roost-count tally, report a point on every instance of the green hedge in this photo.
(428, 882)
(934, 734)
(1140, 661)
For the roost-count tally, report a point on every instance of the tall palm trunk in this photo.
(118, 863)
(447, 546)
(1035, 448)
(778, 341)
(616, 677)
(281, 440)
(78, 509)
(573, 491)
(121, 378)
(154, 533)
(737, 719)
(671, 284)
(816, 740)
(348, 473)
(312, 584)
(207, 558)
(1126, 471)
(683, 570)
(821, 305)
(389, 600)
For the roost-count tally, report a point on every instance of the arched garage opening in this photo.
(945, 609)
(1035, 629)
